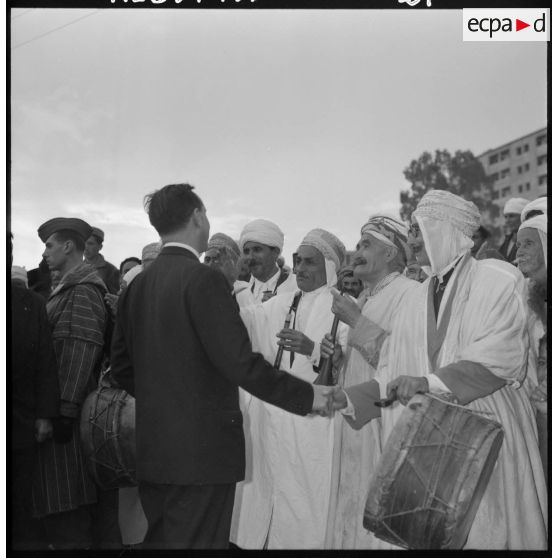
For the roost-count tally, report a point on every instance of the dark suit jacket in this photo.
(34, 378)
(181, 349)
(511, 238)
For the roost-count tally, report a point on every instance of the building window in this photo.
(518, 150)
(504, 173)
(542, 180)
(495, 195)
(493, 159)
(541, 140)
(504, 154)
(541, 160)
(526, 148)
(520, 188)
(519, 169)
(506, 191)
(493, 177)
(526, 167)
(527, 186)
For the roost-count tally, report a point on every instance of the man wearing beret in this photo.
(63, 490)
(108, 272)
(180, 348)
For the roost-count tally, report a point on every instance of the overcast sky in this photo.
(307, 118)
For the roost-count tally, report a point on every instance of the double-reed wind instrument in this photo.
(325, 374)
(287, 325)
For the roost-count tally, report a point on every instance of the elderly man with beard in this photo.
(283, 503)
(379, 261)
(475, 348)
(532, 262)
(261, 242)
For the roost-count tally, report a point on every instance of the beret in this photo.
(64, 223)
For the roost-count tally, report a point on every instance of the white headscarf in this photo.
(515, 205)
(19, 273)
(332, 249)
(447, 223)
(264, 232)
(539, 222)
(538, 204)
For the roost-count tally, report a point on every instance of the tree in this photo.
(462, 174)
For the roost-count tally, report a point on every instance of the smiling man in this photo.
(463, 332)
(261, 242)
(379, 261)
(283, 503)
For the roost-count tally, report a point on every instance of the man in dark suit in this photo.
(181, 349)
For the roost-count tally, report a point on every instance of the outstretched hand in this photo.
(345, 308)
(328, 399)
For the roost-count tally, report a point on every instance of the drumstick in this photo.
(387, 401)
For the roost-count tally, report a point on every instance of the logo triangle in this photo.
(519, 25)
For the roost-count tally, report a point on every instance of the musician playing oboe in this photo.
(283, 504)
(378, 262)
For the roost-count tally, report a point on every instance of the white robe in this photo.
(487, 325)
(358, 451)
(284, 498)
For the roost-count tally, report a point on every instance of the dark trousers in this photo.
(187, 516)
(26, 532)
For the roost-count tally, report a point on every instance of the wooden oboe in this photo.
(325, 375)
(286, 325)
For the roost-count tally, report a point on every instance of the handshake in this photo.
(327, 400)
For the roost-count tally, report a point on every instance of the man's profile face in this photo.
(310, 269)
(261, 259)
(416, 243)
(369, 260)
(352, 285)
(511, 222)
(54, 253)
(92, 247)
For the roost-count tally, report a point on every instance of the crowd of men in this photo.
(221, 343)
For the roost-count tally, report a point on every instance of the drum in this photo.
(108, 437)
(432, 475)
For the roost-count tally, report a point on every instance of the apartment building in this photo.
(518, 169)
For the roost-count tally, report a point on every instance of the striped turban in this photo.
(389, 230)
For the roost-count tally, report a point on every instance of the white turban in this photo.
(150, 251)
(131, 274)
(447, 223)
(332, 249)
(222, 241)
(539, 222)
(262, 231)
(19, 273)
(538, 204)
(515, 205)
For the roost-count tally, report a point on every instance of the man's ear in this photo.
(391, 253)
(68, 246)
(196, 217)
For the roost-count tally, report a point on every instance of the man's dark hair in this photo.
(130, 259)
(171, 207)
(484, 232)
(67, 234)
(533, 213)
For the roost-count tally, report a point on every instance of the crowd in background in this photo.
(62, 310)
